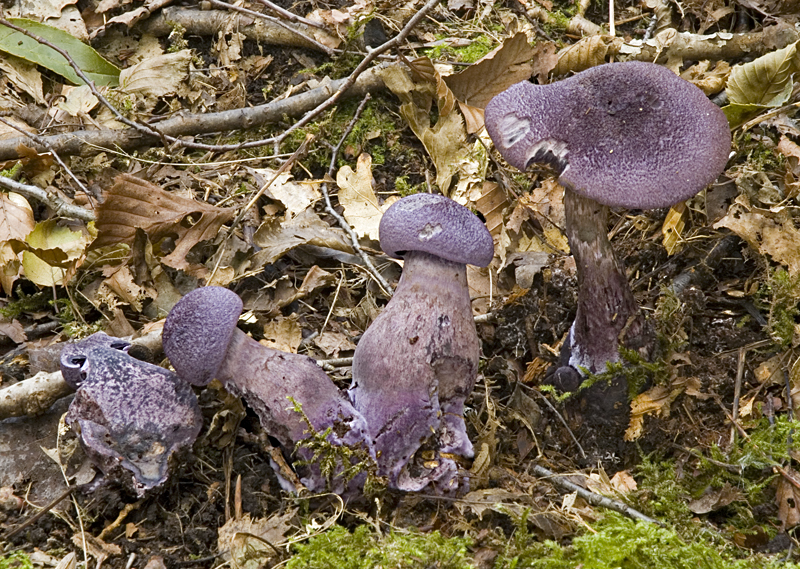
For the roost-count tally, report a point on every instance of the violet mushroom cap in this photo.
(627, 134)
(202, 341)
(132, 418)
(416, 364)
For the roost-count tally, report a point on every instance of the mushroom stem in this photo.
(413, 369)
(608, 315)
(268, 378)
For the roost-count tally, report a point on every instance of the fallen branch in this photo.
(592, 498)
(90, 142)
(61, 208)
(209, 22)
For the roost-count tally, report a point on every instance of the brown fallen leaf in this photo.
(499, 69)
(132, 203)
(770, 233)
(788, 498)
(715, 499)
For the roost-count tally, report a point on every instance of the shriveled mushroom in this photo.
(132, 417)
(623, 134)
(202, 342)
(416, 364)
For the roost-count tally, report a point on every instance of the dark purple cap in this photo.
(198, 330)
(437, 225)
(629, 134)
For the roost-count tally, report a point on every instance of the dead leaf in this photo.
(492, 204)
(16, 222)
(132, 203)
(673, 226)
(361, 209)
(544, 60)
(249, 543)
(283, 333)
(13, 331)
(655, 401)
(504, 66)
(770, 233)
(334, 342)
(714, 499)
(588, 52)
(623, 482)
(295, 196)
(277, 238)
(316, 278)
(156, 76)
(788, 498)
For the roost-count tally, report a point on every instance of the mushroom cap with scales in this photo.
(198, 330)
(437, 225)
(629, 134)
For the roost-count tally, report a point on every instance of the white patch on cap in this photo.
(430, 231)
(513, 129)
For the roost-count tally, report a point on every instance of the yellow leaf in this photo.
(361, 209)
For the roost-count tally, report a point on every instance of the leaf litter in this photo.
(163, 226)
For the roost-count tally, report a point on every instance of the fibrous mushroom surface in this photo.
(132, 417)
(202, 342)
(417, 363)
(628, 134)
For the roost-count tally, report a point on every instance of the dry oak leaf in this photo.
(133, 204)
(495, 72)
(361, 208)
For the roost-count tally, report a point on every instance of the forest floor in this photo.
(703, 473)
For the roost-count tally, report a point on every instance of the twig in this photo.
(57, 204)
(287, 165)
(290, 16)
(333, 363)
(41, 140)
(276, 21)
(387, 289)
(89, 83)
(560, 418)
(365, 63)
(592, 498)
(82, 142)
(58, 499)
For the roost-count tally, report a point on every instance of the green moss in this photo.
(362, 549)
(16, 560)
(471, 53)
(621, 543)
(780, 295)
(26, 303)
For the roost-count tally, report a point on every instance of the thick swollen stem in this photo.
(607, 315)
(413, 369)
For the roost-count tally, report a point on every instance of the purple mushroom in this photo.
(416, 364)
(627, 134)
(132, 418)
(202, 342)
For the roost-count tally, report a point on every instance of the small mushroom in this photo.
(132, 417)
(627, 134)
(202, 342)
(416, 364)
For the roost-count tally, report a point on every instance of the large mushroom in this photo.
(202, 342)
(416, 364)
(630, 135)
(132, 418)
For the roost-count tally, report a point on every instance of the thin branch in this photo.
(592, 498)
(275, 21)
(290, 16)
(341, 220)
(43, 142)
(365, 63)
(83, 142)
(61, 208)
